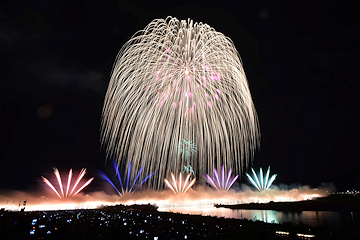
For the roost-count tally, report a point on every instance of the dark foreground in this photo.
(145, 222)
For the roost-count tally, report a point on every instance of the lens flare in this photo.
(222, 185)
(177, 185)
(261, 185)
(73, 191)
(125, 189)
(178, 80)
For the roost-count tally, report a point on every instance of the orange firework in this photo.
(177, 186)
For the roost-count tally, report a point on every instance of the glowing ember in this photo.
(261, 185)
(178, 186)
(222, 185)
(73, 191)
(127, 188)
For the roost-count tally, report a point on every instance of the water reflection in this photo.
(314, 218)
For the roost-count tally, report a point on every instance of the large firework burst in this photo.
(178, 80)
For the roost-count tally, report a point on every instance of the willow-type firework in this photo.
(67, 193)
(124, 189)
(179, 80)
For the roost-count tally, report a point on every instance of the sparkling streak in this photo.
(261, 178)
(118, 174)
(252, 181)
(51, 186)
(271, 181)
(103, 175)
(212, 182)
(231, 183)
(58, 177)
(228, 177)
(137, 176)
(217, 177)
(85, 184)
(267, 176)
(222, 177)
(174, 181)
(68, 183)
(81, 175)
(144, 181)
(128, 177)
(256, 178)
(190, 185)
(169, 185)
(178, 80)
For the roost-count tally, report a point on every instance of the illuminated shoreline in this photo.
(198, 197)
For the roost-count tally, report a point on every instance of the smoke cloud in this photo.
(197, 196)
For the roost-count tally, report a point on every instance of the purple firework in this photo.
(219, 183)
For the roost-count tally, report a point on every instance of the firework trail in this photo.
(127, 188)
(261, 185)
(179, 80)
(177, 185)
(72, 193)
(223, 183)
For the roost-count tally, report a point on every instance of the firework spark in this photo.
(261, 185)
(187, 148)
(221, 184)
(177, 185)
(127, 188)
(179, 80)
(73, 191)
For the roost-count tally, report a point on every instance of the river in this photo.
(313, 218)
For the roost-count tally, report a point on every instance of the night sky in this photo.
(301, 61)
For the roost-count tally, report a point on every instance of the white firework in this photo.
(178, 80)
(263, 184)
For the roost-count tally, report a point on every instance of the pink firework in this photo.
(223, 183)
(67, 193)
